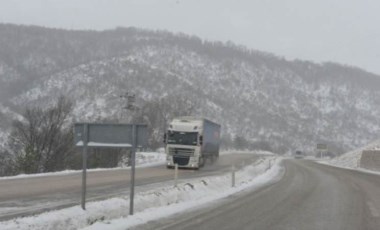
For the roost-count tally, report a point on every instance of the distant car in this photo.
(298, 154)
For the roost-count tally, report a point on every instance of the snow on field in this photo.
(257, 152)
(143, 159)
(153, 204)
(352, 159)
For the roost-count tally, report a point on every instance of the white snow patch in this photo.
(256, 152)
(99, 144)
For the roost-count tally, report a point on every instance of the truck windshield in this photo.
(182, 138)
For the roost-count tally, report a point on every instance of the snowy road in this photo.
(24, 196)
(309, 196)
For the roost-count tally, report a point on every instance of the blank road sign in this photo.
(110, 135)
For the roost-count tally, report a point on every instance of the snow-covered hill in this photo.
(352, 159)
(290, 105)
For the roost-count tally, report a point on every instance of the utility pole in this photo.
(130, 106)
(129, 103)
(319, 123)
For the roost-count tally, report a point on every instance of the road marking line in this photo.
(374, 211)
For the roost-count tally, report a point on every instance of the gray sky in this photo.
(344, 31)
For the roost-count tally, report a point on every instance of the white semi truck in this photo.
(190, 141)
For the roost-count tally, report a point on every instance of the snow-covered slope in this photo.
(289, 105)
(352, 159)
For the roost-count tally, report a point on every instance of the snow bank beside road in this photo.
(352, 159)
(152, 204)
(143, 159)
(347, 160)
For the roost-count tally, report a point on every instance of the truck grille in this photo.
(180, 160)
(181, 152)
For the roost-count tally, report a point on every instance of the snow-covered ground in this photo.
(143, 159)
(257, 152)
(351, 159)
(161, 200)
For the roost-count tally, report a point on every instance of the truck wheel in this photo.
(215, 157)
(212, 159)
(201, 162)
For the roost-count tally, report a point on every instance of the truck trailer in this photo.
(190, 141)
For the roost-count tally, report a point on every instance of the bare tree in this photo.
(42, 142)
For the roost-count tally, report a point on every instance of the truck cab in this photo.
(188, 142)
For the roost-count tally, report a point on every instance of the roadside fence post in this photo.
(233, 176)
(175, 175)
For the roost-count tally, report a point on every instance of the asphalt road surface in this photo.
(26, 196)
(309, 196)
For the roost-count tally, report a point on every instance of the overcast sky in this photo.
(344, 31)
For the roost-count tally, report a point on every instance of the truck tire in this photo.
(216, 157)
(202, 161)
(213, 158)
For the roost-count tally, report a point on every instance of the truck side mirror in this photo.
(200, 140)
(164, 138)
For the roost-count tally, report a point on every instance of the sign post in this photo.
(133, 168)
(111, 136)
(84, 167)
(175, 175)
